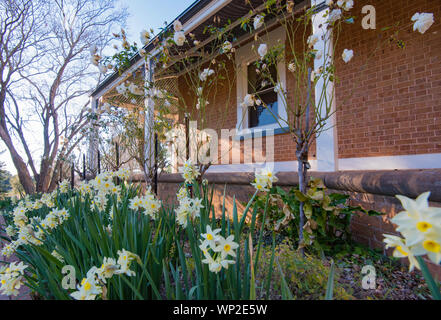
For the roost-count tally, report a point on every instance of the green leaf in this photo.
(330, 285)
(286, 292)
(308, 210)
(300, 196)
(431, 282)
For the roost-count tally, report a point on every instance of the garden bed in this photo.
(124, 245)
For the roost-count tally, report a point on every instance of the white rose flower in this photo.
(177, 26)
(423, 21)
(263, 50)
(103, 69)
(258, 22)
(347, 55)
(313, 75)
(95, 60)
(334, 15)
(279, 88)
(145, 37)
(249, 100)
(205, 74)
(134, 89)
(93, 50)
(345, 4)
(312, 40)
(179, 38)
(319, 54)
(227, 46)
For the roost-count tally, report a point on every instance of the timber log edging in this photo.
(410, 183)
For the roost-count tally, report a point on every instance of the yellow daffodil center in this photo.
(423, 226)
(227, 247)
(3, 281)
(82, 281)
(400, 250)
(432, 246)
(87, 286)
(209, 237)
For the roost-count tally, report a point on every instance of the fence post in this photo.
(117, 160)
(84, 167)
(187, 145)
(117, 155)
(72, 176)
(99, 162)
(187, 136)
(156, 165)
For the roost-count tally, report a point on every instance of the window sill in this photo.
(259, 132)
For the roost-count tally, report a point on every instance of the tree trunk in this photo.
(303, 166)
(22, 170)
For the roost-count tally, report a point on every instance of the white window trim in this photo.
(404, 162)
(244, 56)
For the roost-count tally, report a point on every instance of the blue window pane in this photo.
(262, 116)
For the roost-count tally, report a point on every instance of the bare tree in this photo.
(45, 76)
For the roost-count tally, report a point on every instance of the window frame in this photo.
(244, 57)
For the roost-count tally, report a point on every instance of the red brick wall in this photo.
(222, 110)
(388, 103)
(393, 107)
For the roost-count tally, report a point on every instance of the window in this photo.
(255, 119)
(267, 112)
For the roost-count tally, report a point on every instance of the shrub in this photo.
(307, 276)
(327, 228)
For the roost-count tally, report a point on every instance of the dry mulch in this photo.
(393, 280)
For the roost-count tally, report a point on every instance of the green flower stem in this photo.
(431, 283)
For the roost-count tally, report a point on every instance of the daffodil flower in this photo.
(402, 250)
(226, 246)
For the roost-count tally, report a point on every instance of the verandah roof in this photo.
(232, 12)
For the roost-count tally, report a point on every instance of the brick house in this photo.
(385, 139)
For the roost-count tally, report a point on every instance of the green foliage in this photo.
(328, 216)
(171, 258)
(306, 278)
(5, 180)
(171, 261)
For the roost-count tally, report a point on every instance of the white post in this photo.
(327, 153)
(93, 138)
(149, 120)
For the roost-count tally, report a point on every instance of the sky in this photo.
(144, 14)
